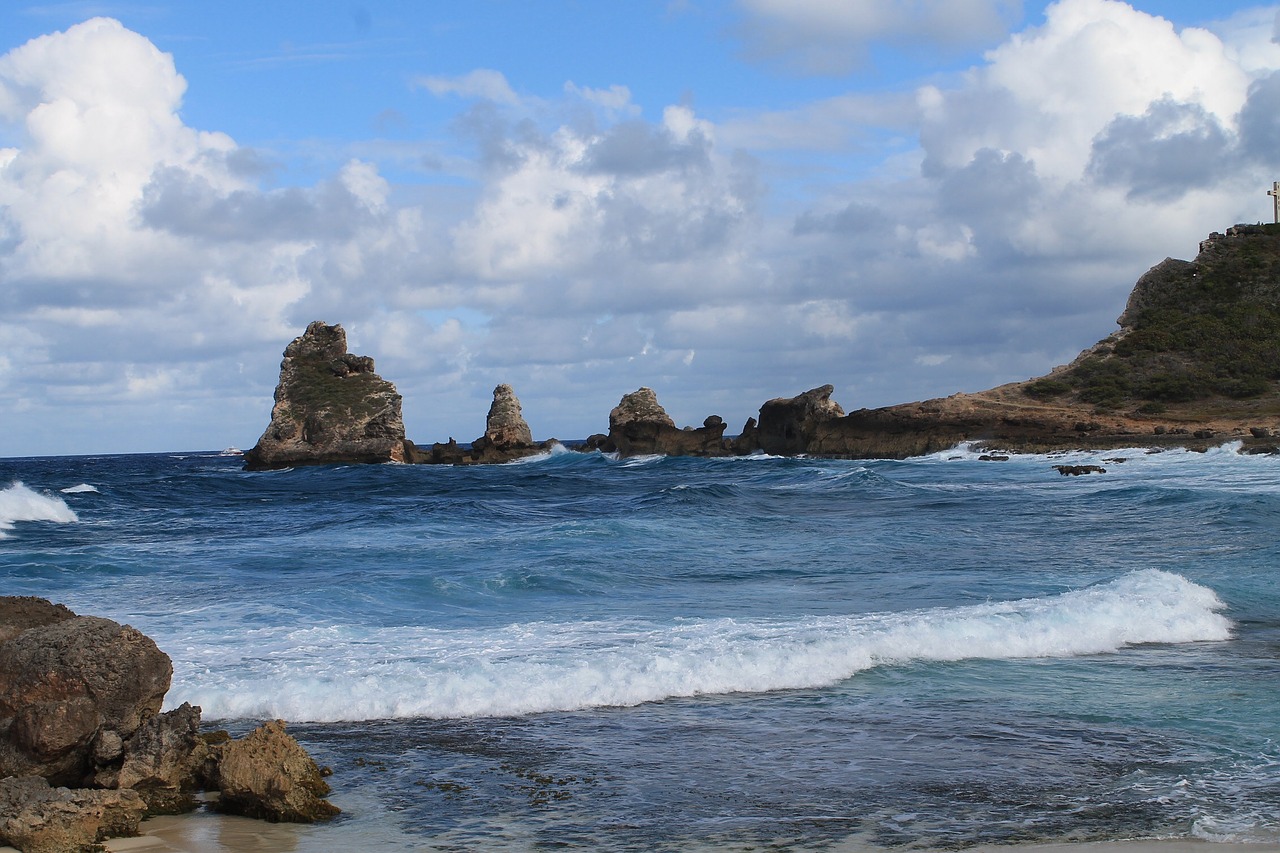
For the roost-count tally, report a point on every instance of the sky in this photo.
(724, 200)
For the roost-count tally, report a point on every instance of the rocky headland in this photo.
(1195, 363)
(86, 753)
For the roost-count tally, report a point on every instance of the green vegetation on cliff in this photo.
(1191, 331)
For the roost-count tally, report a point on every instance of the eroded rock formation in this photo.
(639, 425)
(267, 775)
(1193, 364)
(330, 407)
(38, 818)
(85, 751)
(507, 437)
(789, 425)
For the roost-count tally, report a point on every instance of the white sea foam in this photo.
(83, 488)
(19, 503)
(556, 449)
(346, 672)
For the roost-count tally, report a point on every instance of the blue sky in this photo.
(725, 201)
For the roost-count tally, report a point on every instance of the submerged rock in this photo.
(1077, 470)
(330, 407)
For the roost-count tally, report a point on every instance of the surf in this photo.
(339, 672)
(18, 503)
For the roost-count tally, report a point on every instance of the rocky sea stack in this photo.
(86, 753)
(330, 407)
(506, 438)
(1196, 362)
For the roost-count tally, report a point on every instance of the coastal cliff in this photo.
(1195, 362)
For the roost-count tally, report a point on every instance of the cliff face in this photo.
(1195, 362)
(330, 407)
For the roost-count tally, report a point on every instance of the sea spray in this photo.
(19, 503)
(347, 673)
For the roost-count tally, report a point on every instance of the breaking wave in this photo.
(19, 503)
(349, 673)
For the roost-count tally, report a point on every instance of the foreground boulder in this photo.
(37, 818)
(80, 700)
(70, 684)
(267, 775)
(163, 761)
(330, 408)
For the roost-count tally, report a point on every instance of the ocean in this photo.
(578, 651)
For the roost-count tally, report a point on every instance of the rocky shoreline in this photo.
(86, 753)
(1191, 366)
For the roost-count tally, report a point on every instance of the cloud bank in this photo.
(151, 272)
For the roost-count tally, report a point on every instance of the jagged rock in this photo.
(63, 683)
(161, 761)
(36, 818)
(789, 425)
(1077, 470)
(507, 436)
(639, 425)
(505, 426)
(330, 407)
(79, 703)
(267, 774)
(20, 612)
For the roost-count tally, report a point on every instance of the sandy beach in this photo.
(205, 832)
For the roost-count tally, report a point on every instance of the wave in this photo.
(19, 503)
(353, 673)
(83, 488)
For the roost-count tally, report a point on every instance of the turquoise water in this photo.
(656, 653)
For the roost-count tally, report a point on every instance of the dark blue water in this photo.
(660, 653)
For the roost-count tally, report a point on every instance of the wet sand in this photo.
(206, 832)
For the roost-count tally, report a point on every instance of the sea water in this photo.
(667, 653)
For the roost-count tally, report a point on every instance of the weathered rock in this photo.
(507, 436)
(36, 818)
(330, 407)
(63, 683)
(20, 612)
(639, 425)
(1077, 470)
(162, 761)
(1150, 288)
(267, 774)
(789, 425)
(505, 427)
